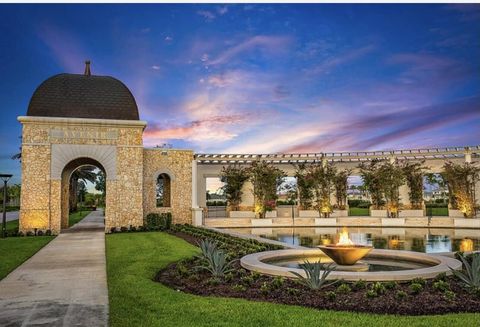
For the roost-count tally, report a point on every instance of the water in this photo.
(373, 264)
(427, 240)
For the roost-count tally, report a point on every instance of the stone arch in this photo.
(164, 171)
(63, 154)
(66, 175)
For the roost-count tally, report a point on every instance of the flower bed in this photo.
(438, 296)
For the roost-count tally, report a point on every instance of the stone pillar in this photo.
(194, 184)
(248, 199)
(201, 190)
(404, 198)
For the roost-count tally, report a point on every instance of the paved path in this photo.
(11, 215)
(63, 284)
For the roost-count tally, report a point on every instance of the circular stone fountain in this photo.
(378, 265)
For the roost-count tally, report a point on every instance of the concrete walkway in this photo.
(63, 284)
(11, 215)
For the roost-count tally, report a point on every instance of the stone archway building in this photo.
(74, 120)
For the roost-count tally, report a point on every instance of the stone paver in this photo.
(63, 284)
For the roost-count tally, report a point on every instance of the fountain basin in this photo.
(417, 265)
(345, 255)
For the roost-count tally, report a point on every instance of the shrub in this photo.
(214, 281)
(292, 291)
(113, 230)
(40, 233)
(371, 294)
(30, 233)
(48, 232)
(255, 274)
(239, 288)
(247, 280)
(182, 269)
(470, 276)
(441, 286)
(214, 259)
(315, 278)
(379, 288)
(420, 281)
(21, 234)
(229, 277)
(416, 288)
(390, 285)
(155, 221)
(277, 282)
(441, 276)
(449, 295)
(344, 289)
(123, 229)
(331, 295)
(264, 288)
(360, 284)
(400, 295)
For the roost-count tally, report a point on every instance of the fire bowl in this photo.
(345, 255)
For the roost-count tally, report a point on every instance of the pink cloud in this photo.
(342, 59)
(259, 41)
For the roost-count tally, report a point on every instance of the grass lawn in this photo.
(353, 211)
(75, 217)
(437, 211)
(15, 250)
(136, 300)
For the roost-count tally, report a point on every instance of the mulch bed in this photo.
(256, 287)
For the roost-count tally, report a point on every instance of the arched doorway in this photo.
(70, 176)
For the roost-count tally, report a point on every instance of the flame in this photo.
(466, 245)
(343, 238)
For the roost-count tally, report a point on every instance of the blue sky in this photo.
(260, 78)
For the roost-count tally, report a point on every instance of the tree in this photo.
(372, 182)
(84, 174)
(101, 186)
(341, 186)
(323, 175)
(234, 177)
(304, 186)
(461, 180)
(266, 180)
(413, 172)
(391, 178)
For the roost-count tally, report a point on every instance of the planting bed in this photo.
(419, 297)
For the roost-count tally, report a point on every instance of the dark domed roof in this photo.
(83, 96)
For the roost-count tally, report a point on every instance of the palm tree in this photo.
(83, 174)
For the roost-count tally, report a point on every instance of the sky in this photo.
(242, 78)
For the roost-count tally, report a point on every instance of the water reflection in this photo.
(429, 240)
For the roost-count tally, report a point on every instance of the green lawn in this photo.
(437, 211)
(136, 300)
(75, 217)
(15, 250)
(353, 211)
(12, 226)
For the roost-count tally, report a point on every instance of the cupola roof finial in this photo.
(87, 68)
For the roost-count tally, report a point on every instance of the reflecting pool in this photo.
(428, 240)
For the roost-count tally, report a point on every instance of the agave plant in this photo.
(316, 274)
(470, 275)
(214, 260)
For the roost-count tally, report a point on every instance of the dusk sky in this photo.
(259, 78)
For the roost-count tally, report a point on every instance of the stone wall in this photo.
(178, 165)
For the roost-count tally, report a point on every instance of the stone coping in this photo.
(441, 264)
(82, 121)
(351, 221)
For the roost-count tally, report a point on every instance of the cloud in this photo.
(66, 48)
(207, 15)
(155, 67)
(330, 64)
(168, 38)
(222, 10)
(209, 129)
(259, 41)
(467, 11)
(145, 30)
(372, 131)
